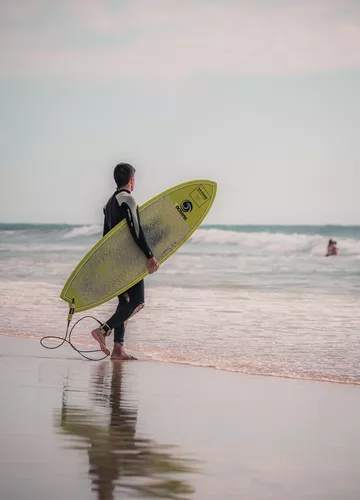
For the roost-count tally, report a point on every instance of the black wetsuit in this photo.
(122, 205)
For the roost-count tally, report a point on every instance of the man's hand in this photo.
(152, 265)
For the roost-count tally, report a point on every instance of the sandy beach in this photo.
(77, 429)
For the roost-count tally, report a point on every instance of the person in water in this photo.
(332, 248)
(120, 206)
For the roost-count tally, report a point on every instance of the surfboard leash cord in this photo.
(67, 338)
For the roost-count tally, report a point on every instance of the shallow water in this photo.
(259, 300)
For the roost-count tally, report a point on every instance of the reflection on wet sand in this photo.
(118, 458)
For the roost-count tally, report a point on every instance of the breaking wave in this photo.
(273, 242)
(83, 231)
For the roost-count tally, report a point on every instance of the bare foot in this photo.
(119, 354)
(99, 336)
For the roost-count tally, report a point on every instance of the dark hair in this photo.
(330, 242)
(123, 172)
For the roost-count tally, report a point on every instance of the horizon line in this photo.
(79, 224)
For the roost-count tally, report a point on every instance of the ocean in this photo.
(259, 300)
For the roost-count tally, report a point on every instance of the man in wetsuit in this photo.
(122, 205)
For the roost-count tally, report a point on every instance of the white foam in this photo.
(83, 231)
(274, 242)
(292, 334)
(9, 232)
(43, 247)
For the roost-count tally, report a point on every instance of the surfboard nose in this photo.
(202, 193)
(211, 187)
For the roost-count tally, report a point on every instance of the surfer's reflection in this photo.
(116, 456)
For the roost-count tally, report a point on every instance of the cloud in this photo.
(168, 39)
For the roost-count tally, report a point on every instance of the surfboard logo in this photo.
(179, 209)
(186, 206)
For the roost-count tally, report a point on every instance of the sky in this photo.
(261, 96)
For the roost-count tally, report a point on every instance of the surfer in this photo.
(122, 205)
(332, 249)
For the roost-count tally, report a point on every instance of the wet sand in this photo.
(77, 429)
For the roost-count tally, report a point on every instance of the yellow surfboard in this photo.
(116, 263)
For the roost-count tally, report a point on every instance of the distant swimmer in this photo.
(332, 249)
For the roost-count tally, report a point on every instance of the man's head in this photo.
(124, 175)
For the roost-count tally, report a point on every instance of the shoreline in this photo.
(142, 357)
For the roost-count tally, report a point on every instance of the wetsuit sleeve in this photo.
(133, 219)
(106, 228)
(142, 238)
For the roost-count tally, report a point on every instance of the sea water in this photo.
(254, 299)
